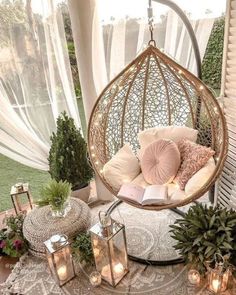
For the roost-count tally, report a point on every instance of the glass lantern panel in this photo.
(101, 256)
(118, 255)
(215, 281)
(51, 266)
(63, 264)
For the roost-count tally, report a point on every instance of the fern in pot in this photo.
(57, 195)
(68, 157)
(203, 232)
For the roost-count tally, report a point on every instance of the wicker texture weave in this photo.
(155, 91)
(39, 225)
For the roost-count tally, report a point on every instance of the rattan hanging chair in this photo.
(153, 90)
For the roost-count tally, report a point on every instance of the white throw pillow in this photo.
(198, 180)
(175, 193)
(122, 168)
(175, 133)
(139, 180)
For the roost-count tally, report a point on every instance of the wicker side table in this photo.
(39, 225)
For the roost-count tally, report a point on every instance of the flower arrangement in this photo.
(12, 241)
(204, 232)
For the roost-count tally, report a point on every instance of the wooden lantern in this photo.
(17, 192)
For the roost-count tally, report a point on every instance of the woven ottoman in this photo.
(39, 225)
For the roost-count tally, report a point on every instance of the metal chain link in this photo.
(150, 22)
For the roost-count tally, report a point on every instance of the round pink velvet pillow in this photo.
(160, 161)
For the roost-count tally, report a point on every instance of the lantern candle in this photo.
(215, 285)
(95, 279)
(194, 277)
(62, 272)
(118, 269)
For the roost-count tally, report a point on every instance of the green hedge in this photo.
(212, 61)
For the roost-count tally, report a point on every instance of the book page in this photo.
(131, 192)
(155, 194)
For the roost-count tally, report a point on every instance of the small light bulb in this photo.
(93, 155)
(96, 162)
(201, 87)
(99, 116)
(96, 123)
(180, 72)
(92, 147)
(101, 171)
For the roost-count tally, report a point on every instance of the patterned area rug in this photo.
(147, 235)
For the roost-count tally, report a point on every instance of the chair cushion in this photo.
(122, 168)
(198, 180)
(175, 133)
(193, 158)
(160, 161)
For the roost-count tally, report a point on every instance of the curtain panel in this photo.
(35, 80)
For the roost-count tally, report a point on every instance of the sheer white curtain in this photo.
(35, 80)
(125, 38)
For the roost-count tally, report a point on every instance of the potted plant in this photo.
(56, 194)
(12, 241)
(68, 157)
(82, 249)
(203, 232)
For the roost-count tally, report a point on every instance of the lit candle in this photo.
(95, 278)
(194, 277)
(62, 273)
(215, 285)
(118, 269)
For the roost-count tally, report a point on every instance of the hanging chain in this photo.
(150, 22)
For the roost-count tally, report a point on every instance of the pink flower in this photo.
(17, 244)
(2, 244)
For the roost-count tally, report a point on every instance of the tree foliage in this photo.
(68, 154)
(212, 61)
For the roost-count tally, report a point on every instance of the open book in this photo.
(153, 194)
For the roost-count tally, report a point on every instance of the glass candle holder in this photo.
(110, 249)
(59, 258)
(194, 277)
(95, 279)
(218, 280)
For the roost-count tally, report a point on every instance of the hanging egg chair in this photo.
(153, 90)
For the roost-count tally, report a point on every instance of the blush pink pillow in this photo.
(160, 161)
(193, 158)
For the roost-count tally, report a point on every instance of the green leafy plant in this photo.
(55, 194)
(82, 248)
(12, 241)
(68, 154)
(212, 60)
(203, 232)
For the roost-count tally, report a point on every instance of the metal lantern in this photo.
(60, 258)
(110, 249)
(218, 276)
(17, 191)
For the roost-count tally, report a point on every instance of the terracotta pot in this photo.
(82, 194)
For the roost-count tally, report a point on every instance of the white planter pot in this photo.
(82, 194)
